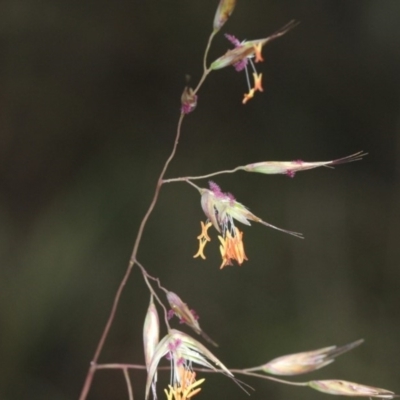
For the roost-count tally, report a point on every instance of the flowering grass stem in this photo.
(222, 211)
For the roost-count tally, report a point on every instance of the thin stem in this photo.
(267, 377)
(193, 178)
(128, 383)
(146, 278)
(153, 278)
(245, 372)
(208, 48)
(157, 191)
(247, 77)
(93, 365)
(92, 369)
(259, 368)
(122, 366)
(194, 185)
(202, 79)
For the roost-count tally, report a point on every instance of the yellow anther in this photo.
(257, 82)
(257, 52)
(248, 96)
(232, 248)
(203, 239)
(204, 229)
(200, 252)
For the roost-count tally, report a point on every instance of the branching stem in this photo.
(92, 369)
(193, 178)
(93, 365)
(146, 277)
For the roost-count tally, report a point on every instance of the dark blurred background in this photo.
(89, 101)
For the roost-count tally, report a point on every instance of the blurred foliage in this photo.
(89, 103)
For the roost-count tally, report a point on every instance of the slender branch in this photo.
(92, 369)
(206, 70)
(128, 383)
(245, 372)
(157, 192)
(202, 79)
(153, 278)
(124, 366)
(267, 377)
(192, 184)
(252, 369)
(146, 278)
(208, 48)
(193, 178)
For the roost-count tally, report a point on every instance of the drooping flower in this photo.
(221, 210)
(182, 350)
(186, 316)
(243, 54)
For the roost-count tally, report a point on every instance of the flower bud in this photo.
(187, 316)
(151, 330)
(188, 100)
(181, 310)
(301, 363)
(291, 167)
(344, 388)
(224, 11)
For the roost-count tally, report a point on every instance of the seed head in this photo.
(301, 363)
(344, 388)
(224, 11)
